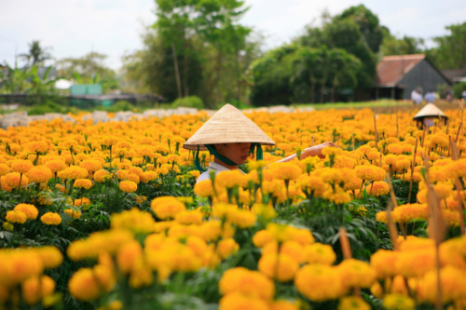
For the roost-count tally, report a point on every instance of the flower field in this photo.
(109, 216)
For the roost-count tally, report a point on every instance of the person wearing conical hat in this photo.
(230, 136)
(427, 115)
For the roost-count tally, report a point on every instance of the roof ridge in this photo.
(397, 57)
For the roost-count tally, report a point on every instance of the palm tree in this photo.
(37, 54)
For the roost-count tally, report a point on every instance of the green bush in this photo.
(47, 107)
(189, 102)
(458, 89)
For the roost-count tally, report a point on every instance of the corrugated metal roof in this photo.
(393, 68)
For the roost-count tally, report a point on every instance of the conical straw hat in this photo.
(227, 125)
(430, 110)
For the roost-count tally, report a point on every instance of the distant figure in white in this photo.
(416, 97)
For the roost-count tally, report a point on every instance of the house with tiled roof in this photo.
(398, 76)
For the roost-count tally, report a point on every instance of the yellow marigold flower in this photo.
(134, 219)
(332, 151)
(51, 256)
(313, 185)
(8, 226)
(21, 166)
(148, 176)
(12, 179)
(319, 282)
(238, 301)
(286, 171)
(319, 253)
(39, 174)
(384, 261)
(72, 213)
(128, 256)
(128, 186)
(91, 165)
(339, 196)
(101, 175)
(83, 285)
(331, 175)
(262, 237)
(280, 267)
(248, 283)
(291, 248)
(398, 302)
(227, 247)
(134, 178)
(189, 217)
(284, 305)
(379, 188)
(55, 165)
(355, 273)
(82, 183)
(242, 218)
(229, 179)
(33, 291)
(83, 201)
(403, 164)
(408, 212)
(370, 173)
(353, 303)
(73, 172)
(167, 207)
(38, 147)
(280, 232)
(267, 212)
(204, 189)
(51, 218)
(16, 217)
(30, 210)
(4, 169)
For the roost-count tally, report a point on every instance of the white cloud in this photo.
(75, 27)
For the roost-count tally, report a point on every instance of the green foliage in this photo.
(458, 89)
(406, 45)
(37, 55)
(88, 69)
(450, 52)
(189, 102)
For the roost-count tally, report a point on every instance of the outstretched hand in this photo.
(316, 150)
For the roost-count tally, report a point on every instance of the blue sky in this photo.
(75, 27)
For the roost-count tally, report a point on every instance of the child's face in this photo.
(237, 152)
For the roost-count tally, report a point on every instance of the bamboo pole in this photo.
(346, 249)
(394, 202)
(412, 172)
(459, 187)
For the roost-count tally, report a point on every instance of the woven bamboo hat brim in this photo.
(228, 125)
(430, 110)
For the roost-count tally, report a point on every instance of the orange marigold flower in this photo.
(128, 186)
(38, 147)
(39, 174)
(72, 213)
(286, 171)
(21, 165)
(51, 218)
(370, 173)
(379, 188)
(91, 165)
(12, 180)
(101, 175)
(16, 217)
(4, 169)
(55, 165)
(82, 183)
(167, 207)
(30, 210)
(229, 179)
(73, 172)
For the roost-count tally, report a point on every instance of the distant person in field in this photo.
(230, 136)
(416, 97)
(464, 94)
(430, 96)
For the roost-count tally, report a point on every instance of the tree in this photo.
(41, 86)
(406, 45)
(368, 23)
(14, 80)
(451, 50)
(346, 34)
(344, 68)
(37, 55)
(90, 68)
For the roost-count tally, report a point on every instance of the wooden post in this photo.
(394, 202)
(412, 172)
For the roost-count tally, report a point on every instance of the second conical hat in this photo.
(227, 125)
(430, 110)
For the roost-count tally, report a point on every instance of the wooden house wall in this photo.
(423, 76)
